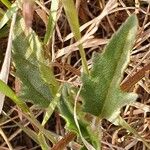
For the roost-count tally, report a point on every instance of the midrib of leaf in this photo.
(107, 72)
(111, 85)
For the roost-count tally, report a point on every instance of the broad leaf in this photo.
(31, 67)
(66, 109)
(101, 89)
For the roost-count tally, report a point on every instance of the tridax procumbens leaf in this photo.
(101, 89)
(66, 109)
(30, 66)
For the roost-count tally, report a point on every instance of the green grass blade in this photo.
(51, 21)
(42, 142)
(32, 134)
(6, 3)
(7, 16)
(51, 107)
(49, 135)
(9, 93)
(101, 89)
(2, 12)
(29, 132)
(72, 17)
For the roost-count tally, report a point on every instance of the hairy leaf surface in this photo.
(66, 109)
(101, 89)
(30, 66)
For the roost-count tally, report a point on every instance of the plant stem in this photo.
(84, 61)
(97, 129)
(73, 20)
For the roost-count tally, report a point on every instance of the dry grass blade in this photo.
(111, 5)
(6, 139)
(64, 141)
(87, 43)
(28, 10)
(6, 64)
(128, 84)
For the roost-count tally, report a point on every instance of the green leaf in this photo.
(73, 20)
(4, 31)
(29, 62)
(2, 12)
(48, 134)
(66, 109)
(42, 142)
(31, 133)
(6, 3)
(7, 16)
(4, 88)
(51, 107)
(101, 89)
(51, 21)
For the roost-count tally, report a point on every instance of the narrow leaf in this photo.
(8, 15)
(4, 88)
(6, 3)
(7, 59)
(32, 134)
(4, 32)
(101, 89)
(42, 142)
(51, 107)
(72, 17)
(51, 20)
(49, 135)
